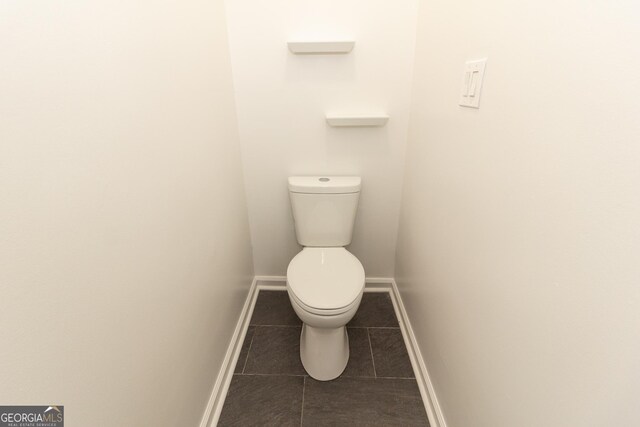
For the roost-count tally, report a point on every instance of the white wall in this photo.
(124, 244)
(282, 99)
(520, 235)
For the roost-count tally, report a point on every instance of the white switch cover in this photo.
(472, 83)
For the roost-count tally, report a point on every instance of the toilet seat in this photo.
(325, 281)
(323, 312)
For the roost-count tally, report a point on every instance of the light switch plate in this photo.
(472, 83)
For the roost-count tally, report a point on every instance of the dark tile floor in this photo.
(271, 388)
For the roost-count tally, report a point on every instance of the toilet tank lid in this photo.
(324, 184)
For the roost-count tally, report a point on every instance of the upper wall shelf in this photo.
(357, 120)
(302, 48)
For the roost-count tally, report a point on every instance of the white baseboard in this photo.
(373, 284)
(221, 386)
(271, 278)
(434, 411)
(277, 283)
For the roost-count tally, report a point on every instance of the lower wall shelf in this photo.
(330, 47)
(357, 120)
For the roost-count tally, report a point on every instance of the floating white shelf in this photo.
(357, 120)
(321, 47)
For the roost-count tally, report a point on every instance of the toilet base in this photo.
(324, 351)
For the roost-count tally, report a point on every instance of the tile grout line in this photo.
(355, 377)
(304, 385)
(373, 362)
(248, 351)
(373, 327)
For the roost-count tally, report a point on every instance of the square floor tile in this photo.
(360, 361)
(245, 350)
(263, 400)
(363, 402)
(390, 356)
(274, 308)
(376, 309)
(275, 350)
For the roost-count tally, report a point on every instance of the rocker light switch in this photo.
(472, 83)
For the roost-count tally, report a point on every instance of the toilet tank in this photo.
(324, 209)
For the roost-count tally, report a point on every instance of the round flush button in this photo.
(323, 179)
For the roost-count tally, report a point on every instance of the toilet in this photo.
(324, 281)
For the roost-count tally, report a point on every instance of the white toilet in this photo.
(324, 281)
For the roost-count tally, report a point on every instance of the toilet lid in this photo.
(325, 278)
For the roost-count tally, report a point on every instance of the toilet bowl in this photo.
(325, 287)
